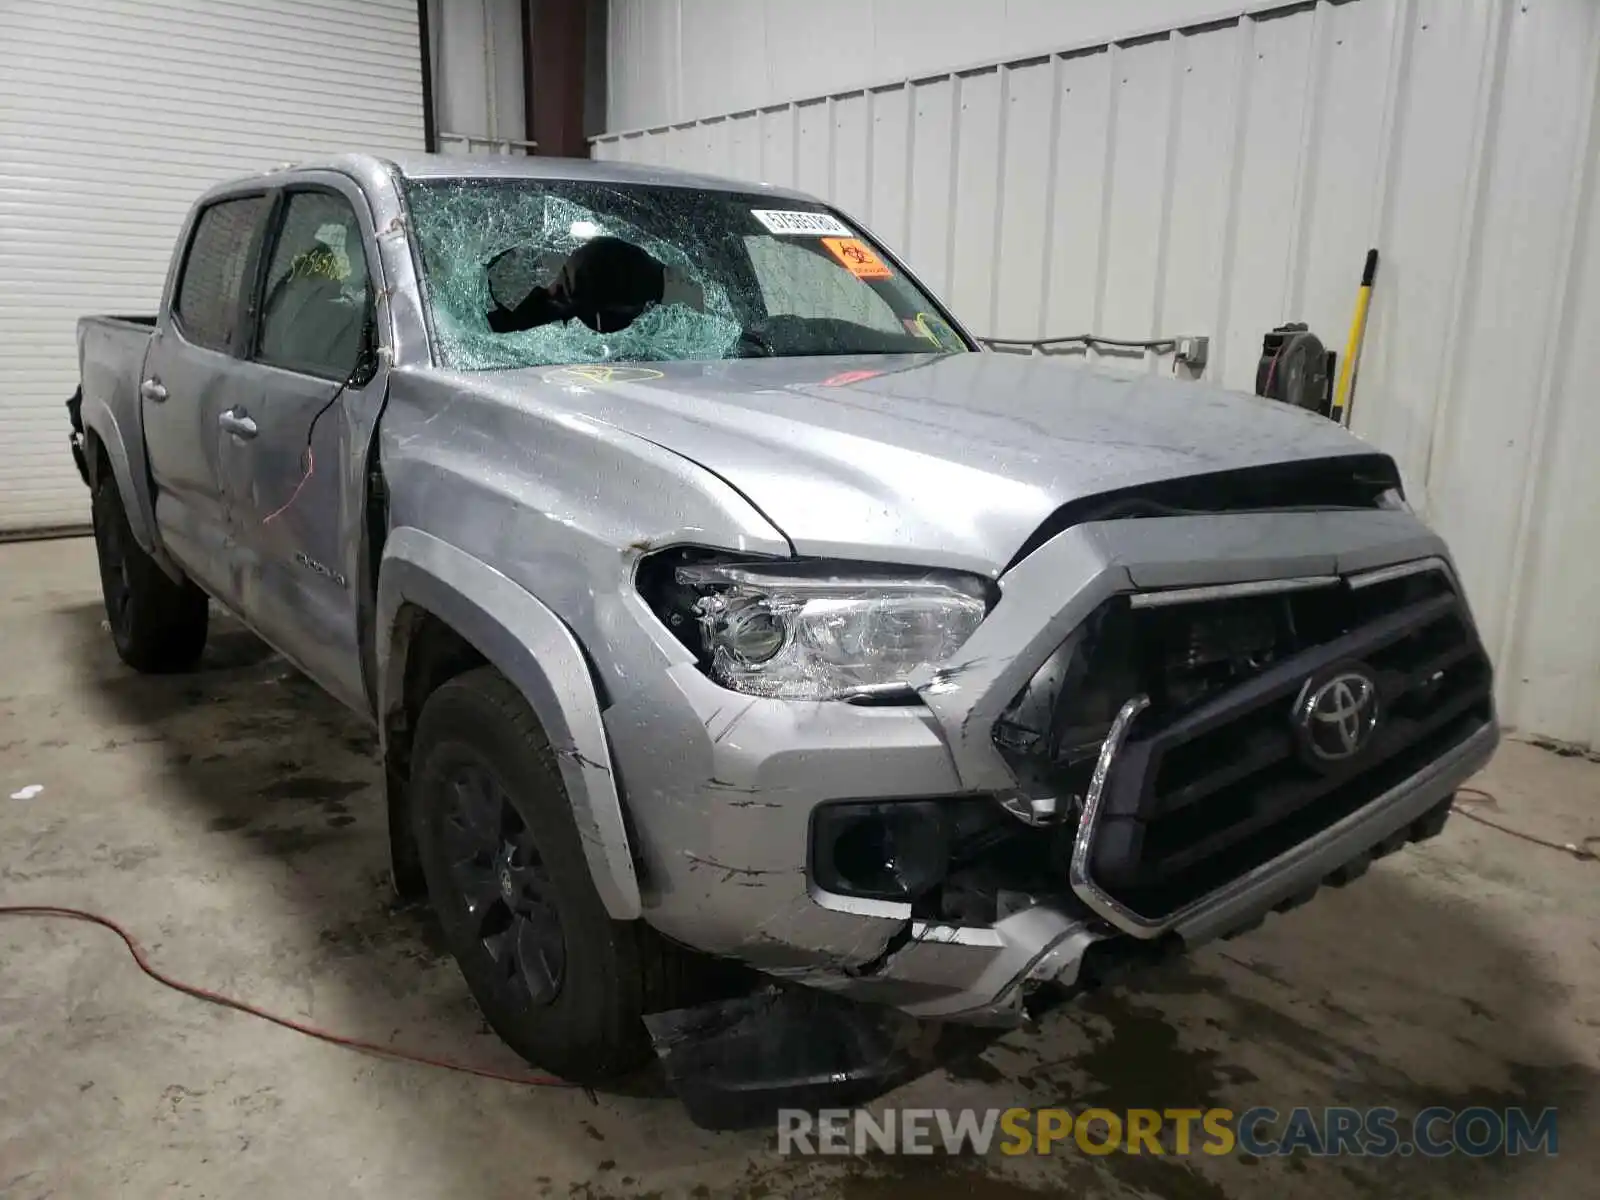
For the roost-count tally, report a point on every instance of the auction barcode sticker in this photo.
(812, 224)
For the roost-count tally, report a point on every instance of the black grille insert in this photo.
(1215, 780)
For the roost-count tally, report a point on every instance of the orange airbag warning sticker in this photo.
(858, 258)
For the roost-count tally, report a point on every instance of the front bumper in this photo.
(983, 973)
(720, 787)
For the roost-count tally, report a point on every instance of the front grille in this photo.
(1218, 777)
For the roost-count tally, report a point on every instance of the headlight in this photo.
(817, 631)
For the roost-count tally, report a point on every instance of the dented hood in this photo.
(936, 460)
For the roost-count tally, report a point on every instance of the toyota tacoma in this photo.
(719, 599)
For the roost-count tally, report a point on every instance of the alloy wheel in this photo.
(503, 886)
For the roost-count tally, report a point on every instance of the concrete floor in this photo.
(232, 818)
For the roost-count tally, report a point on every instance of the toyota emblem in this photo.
(1336, 715)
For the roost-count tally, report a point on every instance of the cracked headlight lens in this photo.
(822, 632)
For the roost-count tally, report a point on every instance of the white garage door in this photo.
(114, 115)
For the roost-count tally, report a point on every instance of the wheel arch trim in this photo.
(100, 427)
(523, 639)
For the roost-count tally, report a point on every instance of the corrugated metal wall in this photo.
(697, 58)
(1221, 178)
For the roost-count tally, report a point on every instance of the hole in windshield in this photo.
(525, 272)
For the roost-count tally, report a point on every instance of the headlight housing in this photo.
(816, 630)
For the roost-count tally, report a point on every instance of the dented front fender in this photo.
(531, 646)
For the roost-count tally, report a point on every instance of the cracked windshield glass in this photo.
(530, 273)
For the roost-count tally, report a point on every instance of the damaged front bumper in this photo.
(985, 975)
(769, 916)
(722, 788)
(737, 1062)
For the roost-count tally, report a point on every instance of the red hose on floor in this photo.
(1578, 850)
(210, 997)
(323, 1035)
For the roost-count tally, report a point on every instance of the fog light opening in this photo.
(882, 851)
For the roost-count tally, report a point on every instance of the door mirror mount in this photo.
(366, 365)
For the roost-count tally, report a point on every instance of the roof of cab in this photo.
(447, 166)
(452, 166)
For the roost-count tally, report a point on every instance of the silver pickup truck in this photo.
(718, 597)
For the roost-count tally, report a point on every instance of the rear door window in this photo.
(207, 299)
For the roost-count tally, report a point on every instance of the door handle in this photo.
(152, 390)
(237, 422)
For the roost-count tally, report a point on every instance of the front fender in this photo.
(533, 648)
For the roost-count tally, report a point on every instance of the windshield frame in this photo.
(755, 192)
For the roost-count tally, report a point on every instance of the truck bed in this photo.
(111, 352)
(147, 321)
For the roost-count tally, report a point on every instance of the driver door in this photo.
(293, 450)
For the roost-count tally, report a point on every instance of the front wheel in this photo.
(561, 982)
(158, 625)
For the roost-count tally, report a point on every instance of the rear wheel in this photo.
(158, 625)
(561, 982)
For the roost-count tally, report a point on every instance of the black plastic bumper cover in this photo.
(735, 1063)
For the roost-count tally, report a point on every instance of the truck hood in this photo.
(947, 460)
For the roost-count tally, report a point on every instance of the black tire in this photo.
(159, 626)
(487, 804)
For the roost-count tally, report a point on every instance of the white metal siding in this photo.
(477, 74)
(681, 59)
(114, 116)
(1219, 179)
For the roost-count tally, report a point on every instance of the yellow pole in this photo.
(1352, 349)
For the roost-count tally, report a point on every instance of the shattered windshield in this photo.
(534, 272)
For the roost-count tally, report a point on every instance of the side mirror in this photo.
(513, 273)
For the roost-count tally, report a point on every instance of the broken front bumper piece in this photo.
(984, 975)
(734, 1063)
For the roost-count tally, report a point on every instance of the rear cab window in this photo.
(205, 304)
